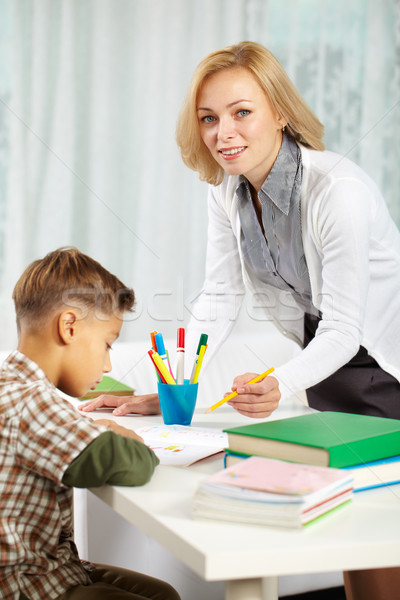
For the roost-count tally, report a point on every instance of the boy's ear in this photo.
(67, 326)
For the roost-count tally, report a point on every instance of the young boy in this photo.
(69, 312)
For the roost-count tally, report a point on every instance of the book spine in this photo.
(367, 450)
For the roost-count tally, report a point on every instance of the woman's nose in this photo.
(226, 130)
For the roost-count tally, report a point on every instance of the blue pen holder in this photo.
(177, 402)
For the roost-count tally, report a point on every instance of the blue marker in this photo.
(162, 352)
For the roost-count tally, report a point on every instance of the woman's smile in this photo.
(232, 153)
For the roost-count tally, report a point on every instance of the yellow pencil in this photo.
(199, 363)
(163, 369)
(230, 396)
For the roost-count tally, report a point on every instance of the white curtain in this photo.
(90, 94)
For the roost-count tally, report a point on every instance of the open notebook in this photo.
(182, 445)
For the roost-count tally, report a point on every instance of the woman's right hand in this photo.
(257, 400)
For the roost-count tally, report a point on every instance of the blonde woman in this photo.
(306, 231)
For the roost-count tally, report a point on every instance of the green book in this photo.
(332, 439)
(109, 385)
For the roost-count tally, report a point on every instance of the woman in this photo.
(304, 229)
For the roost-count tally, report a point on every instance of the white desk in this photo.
(364, 535)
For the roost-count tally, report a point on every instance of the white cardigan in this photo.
(352, 248)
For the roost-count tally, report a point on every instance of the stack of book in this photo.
(367, 446)
(263, 491)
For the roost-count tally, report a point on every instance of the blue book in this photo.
(377, 473)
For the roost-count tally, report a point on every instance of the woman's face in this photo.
(238, 125)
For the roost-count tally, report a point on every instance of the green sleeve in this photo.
(111, 459)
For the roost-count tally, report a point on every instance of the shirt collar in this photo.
(279, 183)
(25, 367)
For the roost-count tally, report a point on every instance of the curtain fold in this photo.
(89, 121)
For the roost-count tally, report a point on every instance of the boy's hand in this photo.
(129, 433)
(146, 404)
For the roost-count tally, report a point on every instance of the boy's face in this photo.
(89, 355)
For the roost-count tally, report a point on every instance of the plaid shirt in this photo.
(40, 435)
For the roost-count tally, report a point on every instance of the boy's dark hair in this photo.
(67, 277)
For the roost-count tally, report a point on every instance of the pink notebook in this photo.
(281, 477)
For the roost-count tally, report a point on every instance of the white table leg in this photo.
(252, 589)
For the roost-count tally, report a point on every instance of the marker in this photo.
(153, 340)
(162, 369)
(180, 356)
(199, 362)
(159, 376)
(154, 346)
(161, 351)
(230, 396)
(202, 342)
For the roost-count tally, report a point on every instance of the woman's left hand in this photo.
(257, 400)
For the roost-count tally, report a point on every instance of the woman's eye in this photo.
(208, 119)
(243, 112)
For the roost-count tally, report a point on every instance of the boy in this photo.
(69, 312)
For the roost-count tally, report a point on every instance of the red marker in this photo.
(180, 356)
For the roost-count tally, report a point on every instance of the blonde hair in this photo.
(67, 277)
(302, 124)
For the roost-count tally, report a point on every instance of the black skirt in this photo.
(361, 386)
